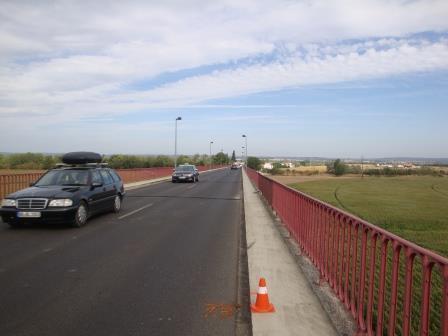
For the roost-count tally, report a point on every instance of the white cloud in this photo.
(71, 60)
(297, 71)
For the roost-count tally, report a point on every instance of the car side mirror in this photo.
(96, 185)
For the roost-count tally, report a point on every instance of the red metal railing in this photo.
(141, 174)
(390, 285)
(13, 182)
(10, 183)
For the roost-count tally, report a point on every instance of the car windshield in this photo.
(67, 177)
(184, 169)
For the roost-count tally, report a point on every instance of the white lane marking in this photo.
(191, 187)
(137, 210)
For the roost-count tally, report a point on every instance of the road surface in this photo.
(167, 264)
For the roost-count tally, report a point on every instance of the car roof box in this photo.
(81, 158)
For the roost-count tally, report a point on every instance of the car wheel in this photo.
(197, 178)
(117, 204)
(81, 215)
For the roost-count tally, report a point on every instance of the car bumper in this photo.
(57, 215)
(182, 178)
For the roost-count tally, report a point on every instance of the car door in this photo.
(98, 195)
(109, 189)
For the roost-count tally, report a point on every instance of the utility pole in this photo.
(362, 167)
(245, 138)
(211, 142)
(175, 141)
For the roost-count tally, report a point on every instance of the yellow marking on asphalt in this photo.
(136, 210)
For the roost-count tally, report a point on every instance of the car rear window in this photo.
(185, 168)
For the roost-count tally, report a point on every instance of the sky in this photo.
(326, 78)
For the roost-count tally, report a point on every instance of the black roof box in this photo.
(81, 158)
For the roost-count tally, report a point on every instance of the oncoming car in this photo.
(69, 193)
(184, 173)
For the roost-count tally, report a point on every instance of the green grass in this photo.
(413, 207)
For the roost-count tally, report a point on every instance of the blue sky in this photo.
(299, 78)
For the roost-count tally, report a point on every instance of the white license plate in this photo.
(182, 177)
(28, 214)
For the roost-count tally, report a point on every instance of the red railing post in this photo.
(444, 322)
(427, 266)
(396, 248)
(409, 255)
(373, 240)
(362, 279)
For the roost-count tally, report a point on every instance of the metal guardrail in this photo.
(390, 285)
(10, 183)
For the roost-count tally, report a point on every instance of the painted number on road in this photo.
(221, 310)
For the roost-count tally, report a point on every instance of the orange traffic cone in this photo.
(262, 304)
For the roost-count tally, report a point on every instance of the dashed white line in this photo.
(135, 211)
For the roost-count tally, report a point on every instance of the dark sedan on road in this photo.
(185, 173)
(65, 194)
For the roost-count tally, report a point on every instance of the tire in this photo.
(197, 178)
(117, 204)
(81, 215)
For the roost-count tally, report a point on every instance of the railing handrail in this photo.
(405, 243)
(365, 265)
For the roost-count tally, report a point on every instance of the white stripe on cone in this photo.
(262, 290)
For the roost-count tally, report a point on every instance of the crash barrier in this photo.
(388, 284)
(10, 183)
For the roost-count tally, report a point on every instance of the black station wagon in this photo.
(69, 193)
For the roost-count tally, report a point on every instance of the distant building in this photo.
(268, 165)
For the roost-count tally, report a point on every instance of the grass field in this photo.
(413, 207)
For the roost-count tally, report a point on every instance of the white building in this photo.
(268, 166)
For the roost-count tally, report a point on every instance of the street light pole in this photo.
(245, 138)
(210, 154)
(175, 141)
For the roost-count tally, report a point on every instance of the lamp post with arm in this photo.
(175, 141)
(245, 138)
(211, 142)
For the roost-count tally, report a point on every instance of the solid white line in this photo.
(137, 210)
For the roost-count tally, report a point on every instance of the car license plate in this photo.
(182, 177)
(28, 214)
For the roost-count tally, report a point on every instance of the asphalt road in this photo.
(167, 264)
